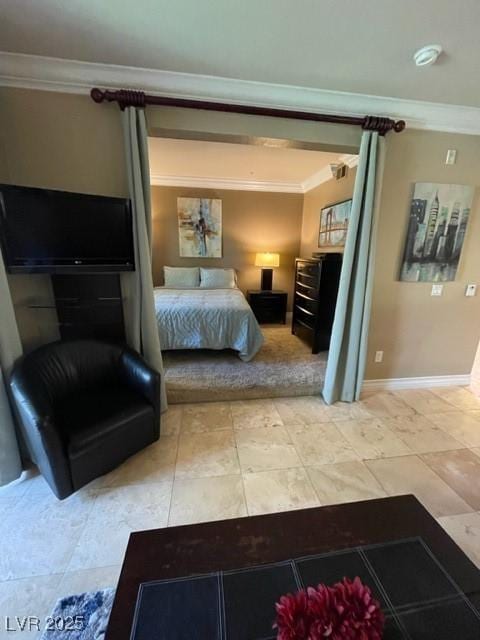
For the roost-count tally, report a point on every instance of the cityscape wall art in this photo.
(334, 224)
(437, 225)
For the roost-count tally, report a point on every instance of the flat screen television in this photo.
(47, 231)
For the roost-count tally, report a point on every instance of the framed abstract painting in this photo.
(199, 227)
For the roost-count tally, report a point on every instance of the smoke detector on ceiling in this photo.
(428, 55)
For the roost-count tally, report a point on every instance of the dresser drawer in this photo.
(303, 301)
(268, 306)
(269, 316)
(316, 286)
(268, 300)
(307, 279)
(308, 270)
(305, 317)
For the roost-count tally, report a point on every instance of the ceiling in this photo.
(238, 166)
(353, 46)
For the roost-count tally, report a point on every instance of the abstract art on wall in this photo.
(199, 227)
(334, 224)
(438, 221)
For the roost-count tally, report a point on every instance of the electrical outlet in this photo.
(470, 290)
(451, 156)
(378, 356)
(437, 289)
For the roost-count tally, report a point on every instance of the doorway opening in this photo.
(245, 207)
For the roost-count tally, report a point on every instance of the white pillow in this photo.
(218, 278)
(181, 277)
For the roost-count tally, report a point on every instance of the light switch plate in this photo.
(451, 156)
(471, 290)
(378, 356)
(437, 289)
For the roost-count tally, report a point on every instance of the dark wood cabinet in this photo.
(89, 306)
(269, 307)
(315, 297)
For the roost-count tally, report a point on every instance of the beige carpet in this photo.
(284, 366)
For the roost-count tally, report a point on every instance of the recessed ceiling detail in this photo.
(221, 165)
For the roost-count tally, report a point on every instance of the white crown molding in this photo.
(350, 160)
(73, 76)
(325, 174)
(225, 183)
(237, 184)
(391, 384)
(318, 178)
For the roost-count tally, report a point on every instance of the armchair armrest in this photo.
(41, 435)
(141, 377)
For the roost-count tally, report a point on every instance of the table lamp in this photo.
(267, 261)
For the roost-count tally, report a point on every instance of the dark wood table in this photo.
(230, 544)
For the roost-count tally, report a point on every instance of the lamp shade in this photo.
(267, 260)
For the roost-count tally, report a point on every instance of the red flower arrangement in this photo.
(345, 611)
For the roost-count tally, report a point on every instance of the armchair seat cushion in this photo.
(103, 428)
(90, 417)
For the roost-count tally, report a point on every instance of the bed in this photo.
(202, 318)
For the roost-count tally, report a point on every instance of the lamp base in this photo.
(267, 280)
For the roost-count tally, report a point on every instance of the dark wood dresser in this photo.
(315, 296)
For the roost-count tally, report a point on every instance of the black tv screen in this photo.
(47, 231)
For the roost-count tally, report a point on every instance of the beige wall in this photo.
(65, 141)
(58, 141)
(314, 201)
(252, 221)
(61, 141)
(421, 335)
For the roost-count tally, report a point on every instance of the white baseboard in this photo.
(391, 384)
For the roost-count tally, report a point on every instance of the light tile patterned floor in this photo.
(232, 459)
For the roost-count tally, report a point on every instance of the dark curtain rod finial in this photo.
(382, 125)
(97, 95)
(129, 98)
(124, 97)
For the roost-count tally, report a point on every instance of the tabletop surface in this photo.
(226, 545)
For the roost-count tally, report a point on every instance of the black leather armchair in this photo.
(84, 407)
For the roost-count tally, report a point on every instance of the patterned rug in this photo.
(284, 366)
(88, 612)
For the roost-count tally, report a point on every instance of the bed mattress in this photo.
(207, 319)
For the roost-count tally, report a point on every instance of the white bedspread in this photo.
(207, 319)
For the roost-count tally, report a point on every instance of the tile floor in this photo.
(232, 459)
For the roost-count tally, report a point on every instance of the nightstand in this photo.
(269, 307)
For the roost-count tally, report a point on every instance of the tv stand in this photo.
(89, 306)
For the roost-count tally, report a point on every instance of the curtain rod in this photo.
(127, 98)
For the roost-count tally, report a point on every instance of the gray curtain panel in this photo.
(137, 286)
(348, 345)
(10, 350)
